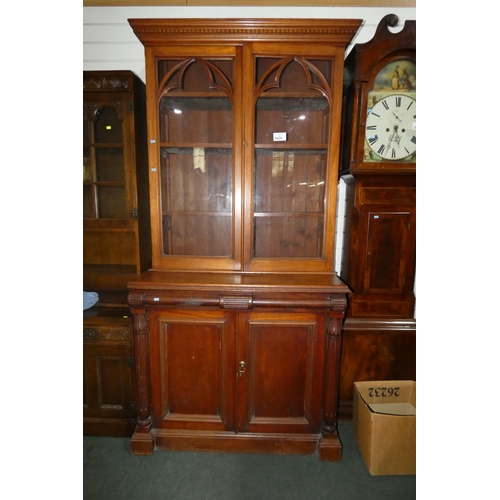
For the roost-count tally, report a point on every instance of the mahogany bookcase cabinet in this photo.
(237, 326)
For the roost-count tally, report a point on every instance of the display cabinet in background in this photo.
(116, 242)
(237, 327)
(116, 229)
(378, 168)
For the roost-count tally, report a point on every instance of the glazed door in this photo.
(108, 150)
(197, 211)
(192, 369)
(279, 367)
(110, 213)
(290, 214)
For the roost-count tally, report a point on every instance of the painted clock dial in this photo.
(391, 127)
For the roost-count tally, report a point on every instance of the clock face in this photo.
(391, 131)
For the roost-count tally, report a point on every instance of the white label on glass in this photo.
(279, 136)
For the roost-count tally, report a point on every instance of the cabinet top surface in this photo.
(322, 283)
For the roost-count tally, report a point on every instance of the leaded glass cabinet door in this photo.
(293, 178)
(198, 213)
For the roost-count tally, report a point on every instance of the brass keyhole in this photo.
(242, 366)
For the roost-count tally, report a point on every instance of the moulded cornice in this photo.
(335, 31)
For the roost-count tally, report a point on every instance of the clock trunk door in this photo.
(388, 253)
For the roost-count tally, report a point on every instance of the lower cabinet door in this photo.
(246, 372)
(192, 369)
(280, 366)
(107, 380)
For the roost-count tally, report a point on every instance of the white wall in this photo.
(110, 44)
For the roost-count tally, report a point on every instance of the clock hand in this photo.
(397, 117)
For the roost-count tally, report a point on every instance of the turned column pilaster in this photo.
(142, 441)
(333, 350)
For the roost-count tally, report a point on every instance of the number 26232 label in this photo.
(383, 392)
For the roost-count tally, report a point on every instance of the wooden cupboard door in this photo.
(279, 372)
(192, 370)
(389, 254)
(107, 380)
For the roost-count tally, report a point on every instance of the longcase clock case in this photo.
(237, 327)
(378, 168)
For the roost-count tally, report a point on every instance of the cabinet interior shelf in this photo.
(297, 148)
(289, 214)
(227, 148)
(104, 183)
(196, 213)
(187, 148)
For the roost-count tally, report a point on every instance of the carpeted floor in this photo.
(111, 472)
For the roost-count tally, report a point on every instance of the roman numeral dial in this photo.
(391, 131)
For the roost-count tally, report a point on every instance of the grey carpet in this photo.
(111, 472)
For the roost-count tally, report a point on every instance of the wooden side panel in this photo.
(114, 248)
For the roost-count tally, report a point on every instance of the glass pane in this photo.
(197, 201)
(111, 201)
(196, 163)
(109, 164)
(108, 126)
(87, 173)
(196, 120)
(86, 131)
(88, 203)
(289, 185)
(291, 136)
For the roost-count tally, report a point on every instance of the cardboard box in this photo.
(385, 417)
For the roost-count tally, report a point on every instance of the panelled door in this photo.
(237, 371)
(280, 362)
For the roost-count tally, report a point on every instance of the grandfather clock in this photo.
(378, 167)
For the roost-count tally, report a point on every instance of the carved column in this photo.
(142, 441)
(333, 350)
(330, 447)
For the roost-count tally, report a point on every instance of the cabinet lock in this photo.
(242, 366)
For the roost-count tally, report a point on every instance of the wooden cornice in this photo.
(335, 31)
